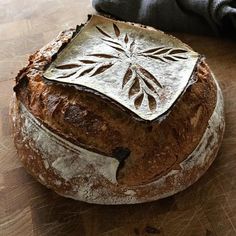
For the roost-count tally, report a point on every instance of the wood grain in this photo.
(208, 208)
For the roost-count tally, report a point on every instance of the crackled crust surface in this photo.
(91, 122)
(77, 173)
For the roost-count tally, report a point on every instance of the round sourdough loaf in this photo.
(116, 113)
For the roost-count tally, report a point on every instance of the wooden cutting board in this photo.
(207, 208)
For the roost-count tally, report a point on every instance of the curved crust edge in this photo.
(78, 178)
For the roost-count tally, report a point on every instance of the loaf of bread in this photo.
(117, 113)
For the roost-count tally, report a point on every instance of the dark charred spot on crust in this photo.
(22, 73)
(22, 82)
(89, 17)
(120, 153)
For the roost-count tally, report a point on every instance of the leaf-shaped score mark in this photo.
(67, 66)
(163, 50)
(141, 82)
(148, 77)
(152, 102)
(156, 57)
(103, 32)
(166, 54)
(138, 100)
(170, 58)
(132, 46)
(126, 39)
(66, 75)
(101, 69)
(135, 87)
(101, 55)
(128, 75)
(117, 46)
(95, 70)
(116, 29)
(178, 50)
(157, 50)
(149, 86)
(112, 42)
(85, 72)
(87, 61)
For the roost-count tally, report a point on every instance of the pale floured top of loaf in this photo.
(142, 70)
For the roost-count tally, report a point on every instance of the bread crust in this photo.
(145, 154)
(63, 166)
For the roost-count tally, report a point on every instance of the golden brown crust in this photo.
(34, 164)
(40, 151)
(87, 120)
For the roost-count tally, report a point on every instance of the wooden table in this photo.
(27, 208)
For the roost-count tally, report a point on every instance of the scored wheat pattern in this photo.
(138, 81)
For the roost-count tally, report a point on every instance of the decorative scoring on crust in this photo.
(143, 70)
